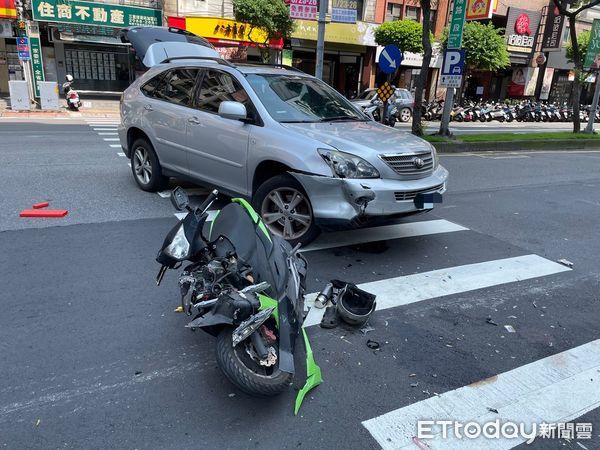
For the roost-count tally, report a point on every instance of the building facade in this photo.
(10, 67)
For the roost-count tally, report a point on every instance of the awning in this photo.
(92, 39)
(7, 9)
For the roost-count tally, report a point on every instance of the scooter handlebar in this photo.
(208, 201)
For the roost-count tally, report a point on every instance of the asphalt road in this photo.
(92, 355)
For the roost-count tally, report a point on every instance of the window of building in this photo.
(432, 18)
(394, 12)
(412, 12)
(218, 87)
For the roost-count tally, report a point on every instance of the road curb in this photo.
(511, 146)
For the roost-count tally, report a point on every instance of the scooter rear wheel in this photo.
(245, 373)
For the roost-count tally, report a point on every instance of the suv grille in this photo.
(410, 195)
(407, 164)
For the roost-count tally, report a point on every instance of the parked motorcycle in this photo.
(245, 286)
(71, 95)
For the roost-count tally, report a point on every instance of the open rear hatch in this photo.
(154, 45)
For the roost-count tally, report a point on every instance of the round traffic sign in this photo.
(390, 59)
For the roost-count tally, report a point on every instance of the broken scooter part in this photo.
(352, 305)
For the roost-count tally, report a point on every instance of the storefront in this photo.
(235, 41)
(348, 63)
(10, 67)
(81, 38)
(521, 32)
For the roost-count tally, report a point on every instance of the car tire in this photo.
(404, 115)
(145, 167)
(272, 200)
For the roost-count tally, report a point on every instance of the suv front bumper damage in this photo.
(351, 201)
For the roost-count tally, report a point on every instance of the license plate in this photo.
(426, 201)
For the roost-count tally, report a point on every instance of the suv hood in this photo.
(364, 139)
(154, 45)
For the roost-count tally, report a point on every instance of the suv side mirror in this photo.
(233, 110)
(179, 198)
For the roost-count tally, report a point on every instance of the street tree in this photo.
(405, 34)
(571, 9)
(583, 39)
(271, 17)
(426, 38)
(411, 36)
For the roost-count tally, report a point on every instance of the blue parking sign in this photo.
(452, 68)
(23, 48)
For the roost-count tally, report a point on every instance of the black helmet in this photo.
(354, 305)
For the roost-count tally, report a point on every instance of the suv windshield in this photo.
(293, 98)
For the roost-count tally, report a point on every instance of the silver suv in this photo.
(303, 154)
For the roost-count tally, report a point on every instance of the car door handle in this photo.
(148, 108)
(194, 120)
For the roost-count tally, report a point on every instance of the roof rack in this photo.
(209, 58)
(282, 66)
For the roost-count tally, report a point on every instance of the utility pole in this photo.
(590, 125)
(321, 39)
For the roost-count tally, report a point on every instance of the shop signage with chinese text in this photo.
(553, 30)
(303, 9)
(480, 9)
(592, 57)
(359, 33)
(7, 9)
(344, 11)
(93, 13)
(521, 30)
(225, 30)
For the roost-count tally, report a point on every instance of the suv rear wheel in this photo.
(146, 168)
(285, 209)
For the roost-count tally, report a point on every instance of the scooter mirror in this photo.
(179, 198)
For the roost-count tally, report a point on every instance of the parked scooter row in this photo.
(525, 111)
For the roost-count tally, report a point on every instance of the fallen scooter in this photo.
(245, 286)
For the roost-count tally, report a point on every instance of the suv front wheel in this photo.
(285, 209)
(146, 168)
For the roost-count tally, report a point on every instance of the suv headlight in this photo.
(434, 156)
(179, 246)
(346, 165)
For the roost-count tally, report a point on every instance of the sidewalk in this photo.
(91, 107)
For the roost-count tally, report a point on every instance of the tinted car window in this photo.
(153, 87)
(218, 87)
(179, 86)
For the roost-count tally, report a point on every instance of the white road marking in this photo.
(555, 389)
(374, 234)
(113, 133)
(111, 139)
(393, 292)
(115, 145)
(129, 164)
(121, 154)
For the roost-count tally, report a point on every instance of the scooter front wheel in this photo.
(244, 372)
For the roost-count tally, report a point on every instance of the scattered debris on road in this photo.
(373, 345)
(565, 262)
(494, 410)
(367, 328)
(490, 321)
(510, 328)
